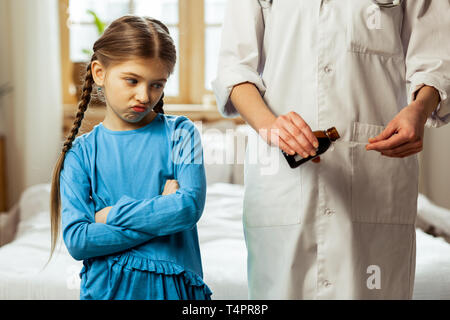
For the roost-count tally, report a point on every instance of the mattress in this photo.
(22, 272)
(222, 244)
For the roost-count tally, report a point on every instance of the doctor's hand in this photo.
(100, 216)
(291, 134)
(170, 187)
(403, 136)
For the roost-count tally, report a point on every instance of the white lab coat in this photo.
(343, 228)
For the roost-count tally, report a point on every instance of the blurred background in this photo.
(44, 47)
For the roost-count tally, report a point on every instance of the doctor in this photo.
(342, 228)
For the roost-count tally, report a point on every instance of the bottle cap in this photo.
(333, 134)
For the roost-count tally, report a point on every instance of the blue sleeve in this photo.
(84, 238)
(169, 214)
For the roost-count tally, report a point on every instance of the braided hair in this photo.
(125, 38)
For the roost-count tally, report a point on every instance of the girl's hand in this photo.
(101, 215)
(170, 187)
(403, 136)
(291, 134)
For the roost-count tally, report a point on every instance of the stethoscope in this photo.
(381, 4)
(388, 4)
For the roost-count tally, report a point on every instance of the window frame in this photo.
(191, 53)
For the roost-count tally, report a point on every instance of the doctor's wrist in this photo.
(265, 122)
(426, 101)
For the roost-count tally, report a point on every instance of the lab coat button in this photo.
(329, 212)
(327, 69)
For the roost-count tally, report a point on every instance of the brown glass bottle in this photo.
(324, 137)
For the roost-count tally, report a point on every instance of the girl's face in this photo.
(131, 90)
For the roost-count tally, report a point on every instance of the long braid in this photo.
(55, 197)
(158, 108)
(82, 107)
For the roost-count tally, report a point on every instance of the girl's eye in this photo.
(131, 81)
(157, 85)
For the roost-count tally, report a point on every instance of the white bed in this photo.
(222, 246)
(221, 241)
(21, 261)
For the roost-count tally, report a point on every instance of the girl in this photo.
(132, 189)
(342, 228)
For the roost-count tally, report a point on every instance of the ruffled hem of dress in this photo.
(190, 278)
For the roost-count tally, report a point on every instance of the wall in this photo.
(435, 166)
(32, 114)
(4, 59)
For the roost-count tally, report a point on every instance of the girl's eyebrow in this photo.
(138, 76)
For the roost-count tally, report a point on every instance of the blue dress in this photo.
(148, 248)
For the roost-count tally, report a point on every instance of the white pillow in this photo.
(34, 209)
(34, 199)
(217, 146)
(432, 218)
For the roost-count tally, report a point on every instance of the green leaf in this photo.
(88, 52)
(99, 23)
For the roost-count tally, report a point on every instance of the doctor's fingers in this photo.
(293, 144)
(297, 136)
(385, 134)
(275, 139)
(403, 154)
(392, 142)
(298, 121)
(286, 148)
(404, 150)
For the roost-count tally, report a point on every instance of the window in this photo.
(214, 14)
(195, 26)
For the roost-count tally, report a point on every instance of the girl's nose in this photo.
(142, 96)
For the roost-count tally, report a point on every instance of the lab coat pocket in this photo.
(374, 30)
(272, 189)
(384, 190)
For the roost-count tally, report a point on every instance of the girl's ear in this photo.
(98, 73)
